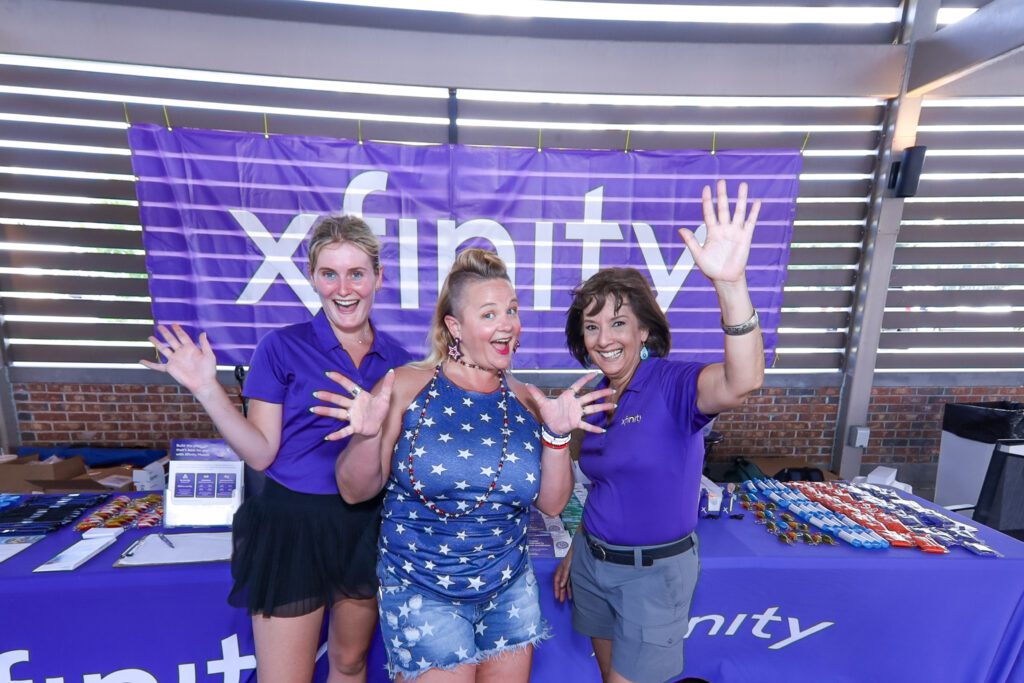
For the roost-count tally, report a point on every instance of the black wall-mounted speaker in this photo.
(905, 175)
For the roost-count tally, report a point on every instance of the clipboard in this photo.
(186, 548)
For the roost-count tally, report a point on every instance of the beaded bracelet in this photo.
(552, 440)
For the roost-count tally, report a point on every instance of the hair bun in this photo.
(487, 264)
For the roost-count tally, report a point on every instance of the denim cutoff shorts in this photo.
(422, 631)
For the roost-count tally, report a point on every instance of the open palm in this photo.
(191, 365)
(723, 256)
(364, 411)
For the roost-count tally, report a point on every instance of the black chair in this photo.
(712, 439)
(1001, 501)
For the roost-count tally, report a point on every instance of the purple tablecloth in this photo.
(763, 612)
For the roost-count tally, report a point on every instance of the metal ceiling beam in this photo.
(157, 37)
(885, 213)
(994, 32)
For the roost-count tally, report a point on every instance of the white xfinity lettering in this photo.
(592, 231)
(278, 254)
(450, 237)
(230, 665)
(360, 186)
(668, 283)
(759, 629)
(278, 258)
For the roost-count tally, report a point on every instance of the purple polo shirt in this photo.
(646, 468)
(286, 368)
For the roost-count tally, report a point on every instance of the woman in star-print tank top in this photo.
(462, 450)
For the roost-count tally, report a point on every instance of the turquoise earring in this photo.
(644, 353)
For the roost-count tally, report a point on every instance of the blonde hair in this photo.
(471, 266)
(339, 229)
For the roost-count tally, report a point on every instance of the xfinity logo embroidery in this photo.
(230, 665)
(759, 627)
(631, 419)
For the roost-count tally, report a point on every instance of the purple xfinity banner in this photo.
(225, 214)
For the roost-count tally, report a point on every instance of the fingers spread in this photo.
(752, 218)
(326, 411)
(707, 207)
(578, 385)
(181, 335)
(387, 385)
(336, 399)
(593, 429)
(741, 204)
(536, 395)
(595, 395)
(723, 204)
(168, 338)
(161, 347)
(340, 434)
(346, 384)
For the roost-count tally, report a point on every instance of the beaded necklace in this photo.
(417, 486)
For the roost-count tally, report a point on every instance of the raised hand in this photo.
(363, 411)
(194, 367)
(566, 413)
(723, 257)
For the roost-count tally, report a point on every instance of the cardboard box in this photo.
(110, 479)
(772, 466)
(16, 476)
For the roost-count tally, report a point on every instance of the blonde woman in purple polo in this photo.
(300, 551)
(634, 563)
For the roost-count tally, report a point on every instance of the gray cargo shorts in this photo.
(644, 611)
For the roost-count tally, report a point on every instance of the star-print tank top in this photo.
(457, 527)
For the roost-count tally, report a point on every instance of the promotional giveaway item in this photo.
(125, 512)
(204, 485)
(77, 555)
(862, 515)
(41, 514)
(12, 545)
(572, 515)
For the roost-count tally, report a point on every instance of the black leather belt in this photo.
(647, 555)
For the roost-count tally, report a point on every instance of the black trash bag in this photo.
(800, 474)
(986, 422)
(741, 470)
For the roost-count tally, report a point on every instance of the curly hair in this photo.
(622, 286)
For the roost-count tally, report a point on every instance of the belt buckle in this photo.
(599, 548)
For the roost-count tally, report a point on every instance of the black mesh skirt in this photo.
(296, 552)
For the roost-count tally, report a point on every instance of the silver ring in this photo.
(356, 391)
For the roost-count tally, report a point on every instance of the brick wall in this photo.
(905, 422)
(791, 422)
(128, 415)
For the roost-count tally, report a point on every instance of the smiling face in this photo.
(487, 322)
(613, 339)
(343, 277)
